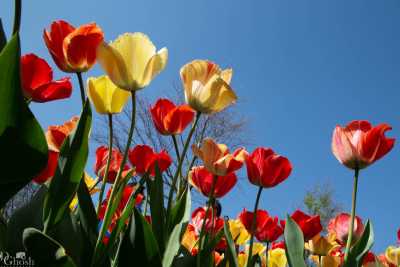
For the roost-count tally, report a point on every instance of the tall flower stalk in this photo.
(253, 225)
(353, 214)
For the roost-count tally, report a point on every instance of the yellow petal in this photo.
(119, 99)
(113, 64)
(277, 258)
(226, 75)
(154, 67)
(238, 231)
(90, 183)
(393, 255)
(136, 50)
(97, 94)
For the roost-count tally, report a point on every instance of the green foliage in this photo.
(69, 172)
(361, 247)
(21, 137)
(231, 250)
(3, 39)
(294, 242)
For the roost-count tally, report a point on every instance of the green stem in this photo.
(108, 213)
(182, 157)
(253, 225)
(176, 147)
(105, 176)
(266, 255)
(210, 204)
(81, 87)
(353, 214)
(319, 259)
(17, 16)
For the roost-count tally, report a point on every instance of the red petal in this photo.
(55, 90)
(35, 72)
(49, 170)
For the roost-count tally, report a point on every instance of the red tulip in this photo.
(73, 49)
(266, 168)
(267, 229)
(49, 170)
(145, 159)
(398, 236)
(37, 81)
(115, 163)
(202, 180)
(309, 225)
(211, 226)
(359, 144)
(339, 226)
(280, 244)
(170, 119)
(55, 137)
(369, 258)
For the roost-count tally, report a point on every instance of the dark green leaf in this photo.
(139, 244)
(231, 249)
(156, 193)
(174, 241)
(22, 142)
(69, 172)
(361, 247)
(3, 38)
(44, 250)
(294, 242)
(179, 211)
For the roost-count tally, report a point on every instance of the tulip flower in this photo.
(37, 81)
(359, 144)
(267, 169)
(267, 229)
(258, 249)
(217, 159)
(170, 119)
(320, 245)
(56, 134)
(189, 240)
(277, 258)
(131, 61)
(203, 180)
(398, 236)
(339, 227)
(55, 137)
(101, 161)
(206, 86)
(239, 233)
(144, 159)
(393, 255)
(385, 262)
(212, 224)
(309, 225)
(73, 49)
(106, 97)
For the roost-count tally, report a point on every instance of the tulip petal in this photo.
(119, 99)
(113, 64)
(226, 75)
(216, 95)
(35, 73)
(177, 120)
(96, 90)
(155, 65)
(55, 90)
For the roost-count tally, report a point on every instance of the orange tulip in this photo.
(359, 144)
(170, 119)
(56, 134)
(73, 49)
(217, 159)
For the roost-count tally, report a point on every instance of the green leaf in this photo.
(139, 244)
(179, 212)
(69, 172)
(361, 247)
(174, 241)
(294, 242)
(3, 38)
(155, 190)
(22, 142)
(45, 250)
(231, 249)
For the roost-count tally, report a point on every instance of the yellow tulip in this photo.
(258, 248)
(238, 232)
(90, 183)
(327, 261)
(207, 88)
(277, 258)
(393, 255)
(106, 97)
(320, 245)
(131, 61)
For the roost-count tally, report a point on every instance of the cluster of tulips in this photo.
(141, 221)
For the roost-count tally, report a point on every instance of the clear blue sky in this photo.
(300, 68)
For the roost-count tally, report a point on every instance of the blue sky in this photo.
(300, 68)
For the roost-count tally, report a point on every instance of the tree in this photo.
(320, 200)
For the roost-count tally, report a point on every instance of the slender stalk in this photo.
(267, 255)
(108, 214)
(210, 204)
(17, 16)
(182, 157)
(176, 147)
(353, 214)
(253, 225)
(105, 176)
(81, 87)
(319, 259)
